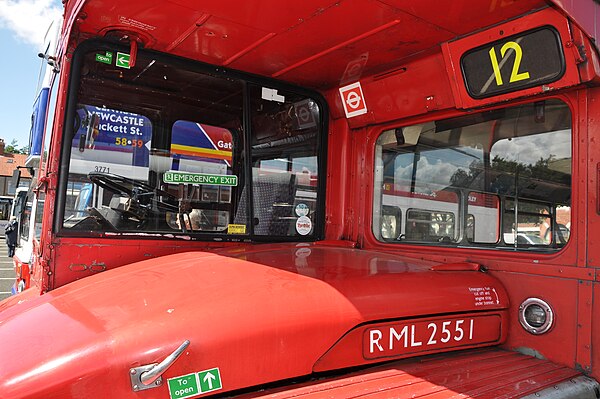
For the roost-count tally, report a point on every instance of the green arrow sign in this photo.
(183, 387)
(122, 60)
(174, 176)
(210, 380)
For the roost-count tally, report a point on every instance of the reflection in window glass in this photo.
(470, 228)
(111, 141)
(165, 148)
(5, 205)
(509, 172)
(532, 221)
(200, 149)
(483, 221)
(430, 226)
(39, 214)
(391, 222)
(25, 215)
(284, 159)
(52, 99)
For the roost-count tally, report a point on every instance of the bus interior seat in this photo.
(273, 203)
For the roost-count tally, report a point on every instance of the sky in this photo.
(23, 24)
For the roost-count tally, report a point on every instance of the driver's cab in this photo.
(164, 149)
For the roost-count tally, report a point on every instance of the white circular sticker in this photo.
(303, 225)
(302, 209)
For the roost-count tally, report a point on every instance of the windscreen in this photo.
(167, 148)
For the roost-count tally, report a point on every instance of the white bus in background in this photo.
(26, 202)
(24, 205)
(5, 212)
(434, 216)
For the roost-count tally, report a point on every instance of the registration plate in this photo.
(394, 339)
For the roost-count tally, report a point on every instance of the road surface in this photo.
(7, 271)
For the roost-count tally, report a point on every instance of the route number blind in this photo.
(529, 59)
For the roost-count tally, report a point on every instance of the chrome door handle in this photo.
(149, 376)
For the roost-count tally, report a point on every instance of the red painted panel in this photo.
(405, 338)
(79, 258)
(22, 273)
(282, 305)
(268, 14)
(160, 23)
(584, 326)
(591, 143)
(355, 37)
(559, 344)
(457, 16)
(310, 42)
(218, 40)
(489, 373)
(595, 326)
(394, 95)
(585, 13)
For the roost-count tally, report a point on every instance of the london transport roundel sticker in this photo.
(302, 209)
(304, 114)
(303, 225)
(353, 100)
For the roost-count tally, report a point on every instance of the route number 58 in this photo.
(515, 75)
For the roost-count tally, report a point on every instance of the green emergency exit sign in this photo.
(210, 380)
(174, 177)
(122, 60)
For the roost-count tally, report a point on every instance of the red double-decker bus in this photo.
(367, 198)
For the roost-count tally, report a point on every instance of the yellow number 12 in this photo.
(515, 76)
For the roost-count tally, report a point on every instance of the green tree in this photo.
(13, 148)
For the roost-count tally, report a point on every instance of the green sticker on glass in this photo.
(105, 58)
(123, 60)
(174, 177)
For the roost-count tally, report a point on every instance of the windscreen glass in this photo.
(170, 147)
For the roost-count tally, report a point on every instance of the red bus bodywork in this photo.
(289, 319)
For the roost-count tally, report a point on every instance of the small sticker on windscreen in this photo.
(236, 229)
(303, 225)
(302, 209)
(105, 58)
(272, 95)
(175, 177)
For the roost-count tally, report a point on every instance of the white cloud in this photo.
(530, 149)
(29, 19)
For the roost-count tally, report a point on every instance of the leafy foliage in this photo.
(13, 148)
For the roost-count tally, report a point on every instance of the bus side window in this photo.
(531, 217)
(39, 213)
(483, 219)
(391, 223)
(430, 226)
(505, 175)
(26, 217)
